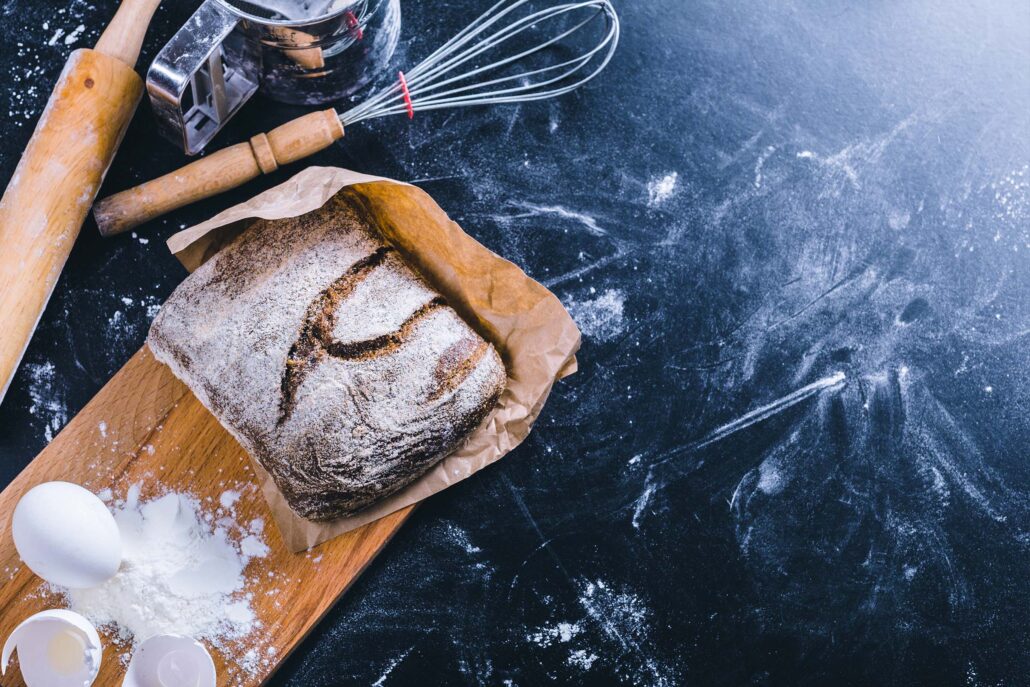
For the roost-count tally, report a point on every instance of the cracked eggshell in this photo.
(170, 661)
(66, 535)
(56, 648)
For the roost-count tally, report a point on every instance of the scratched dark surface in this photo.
(754, 198)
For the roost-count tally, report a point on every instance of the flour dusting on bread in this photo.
(331, 361)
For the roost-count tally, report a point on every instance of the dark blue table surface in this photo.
(754, 201)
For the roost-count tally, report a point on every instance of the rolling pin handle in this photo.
(218, 172)
(123, 37)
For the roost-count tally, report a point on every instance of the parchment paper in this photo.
(527, 324)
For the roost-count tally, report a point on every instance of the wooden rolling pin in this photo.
(60, 172)
(218, 172)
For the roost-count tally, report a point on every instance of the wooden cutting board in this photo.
(145, 426)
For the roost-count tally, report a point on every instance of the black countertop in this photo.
(755, 200)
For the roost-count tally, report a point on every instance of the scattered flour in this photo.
(770, 480)
(624, 620)
(581, 658)
(461, 538)
(562, 632)
(601, 317)
(252, 546)
(621, 615)
(116, 321)
(37, 45)
(621, 621)
(588, 222)
(153, 308)
(47, 398)
(180, 574)
(660, 189)
(898, 219)
(393, 663)
(229, 498)
(760, 164)
(642, 502)
(74, 35)
(1012, 194)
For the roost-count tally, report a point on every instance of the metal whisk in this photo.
(432, 85)
(425, 88)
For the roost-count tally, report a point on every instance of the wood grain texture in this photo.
(305, 135)
(218, 172)
(50, 193)
(156, 432)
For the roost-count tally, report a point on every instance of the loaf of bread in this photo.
(330, 360)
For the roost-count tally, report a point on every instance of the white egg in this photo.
(170, 661)
(56, 648)
(66, 535)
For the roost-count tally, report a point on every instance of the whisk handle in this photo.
(218, 172)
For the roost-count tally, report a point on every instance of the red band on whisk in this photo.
(407, 95)
(352, 23)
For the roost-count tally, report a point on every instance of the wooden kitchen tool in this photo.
(146, 426)
(219, 172)
(432, 85)
(60, 172)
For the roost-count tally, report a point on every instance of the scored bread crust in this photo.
(329, 359)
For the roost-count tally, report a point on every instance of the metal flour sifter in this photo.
(304, 52)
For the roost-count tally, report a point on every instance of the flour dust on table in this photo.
(47, 395)
(45, 34)
(600, 316)
(847, 499)
(660, 189)
(778, 192)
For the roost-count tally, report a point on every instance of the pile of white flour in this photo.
(182, 573)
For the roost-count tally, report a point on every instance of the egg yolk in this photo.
(66, 651)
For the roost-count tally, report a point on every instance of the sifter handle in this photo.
(218, 172)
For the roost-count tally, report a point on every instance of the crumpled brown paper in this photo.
(527, 324)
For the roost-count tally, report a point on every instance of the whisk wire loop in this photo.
(496, 40)
(425, 87)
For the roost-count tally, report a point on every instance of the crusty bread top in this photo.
(331, 361)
